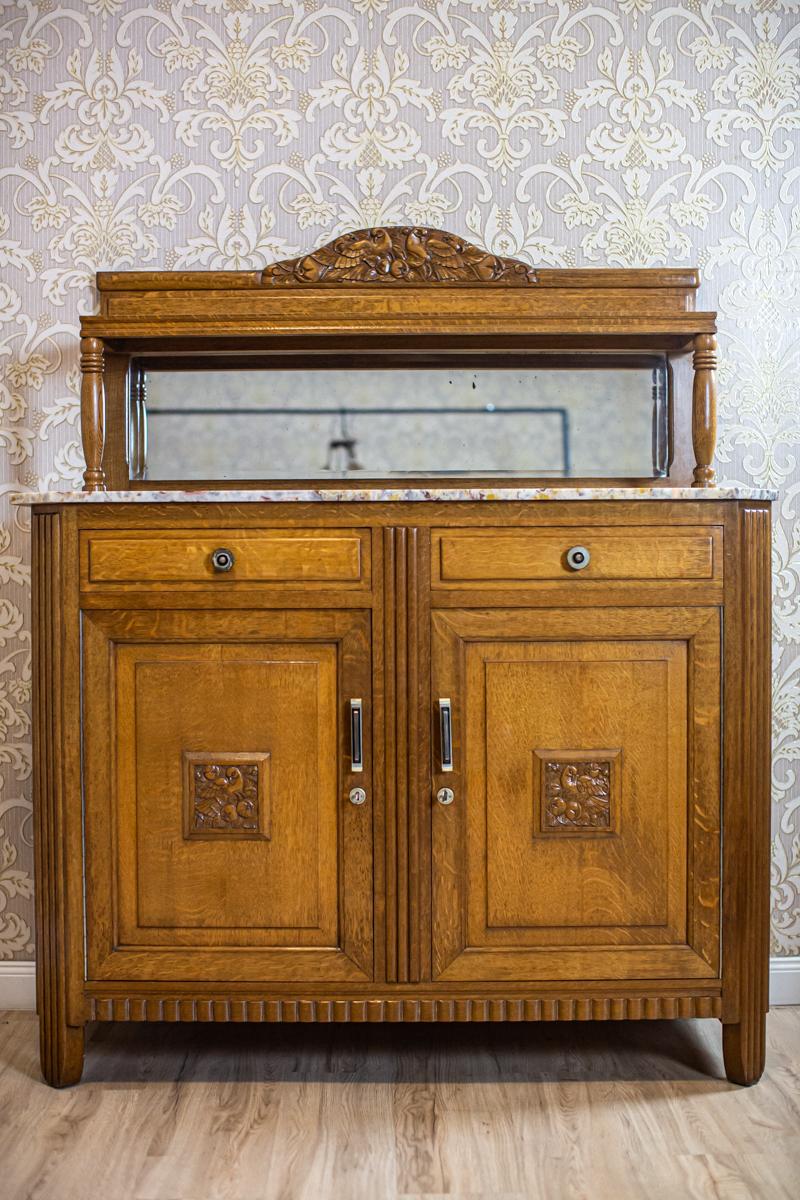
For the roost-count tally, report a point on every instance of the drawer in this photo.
(321, 558)
(508, 558)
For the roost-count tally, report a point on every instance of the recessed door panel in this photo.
(220, 802)
(233, 797)
(570, 728)
(585, 782)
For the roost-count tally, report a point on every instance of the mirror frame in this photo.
(391, 293)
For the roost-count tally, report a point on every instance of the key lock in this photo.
(358, 795)
(445, 795)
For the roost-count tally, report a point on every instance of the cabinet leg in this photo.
(744, 1049)
(61, 1052)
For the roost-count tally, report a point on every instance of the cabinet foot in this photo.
(744, 1049)
(61, 1053)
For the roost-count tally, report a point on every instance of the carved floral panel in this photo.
(577, 795)
(226, 794)
(412, 254)
(234, 133)
(577, 791)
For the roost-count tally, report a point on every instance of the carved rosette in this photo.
(577, 792)
(407, 254)
(226, 795)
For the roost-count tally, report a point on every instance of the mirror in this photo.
(495, 415)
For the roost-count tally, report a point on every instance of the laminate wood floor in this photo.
(557, 1112)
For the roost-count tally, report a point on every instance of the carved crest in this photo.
(399, 254)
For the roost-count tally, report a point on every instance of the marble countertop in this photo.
(391, 495)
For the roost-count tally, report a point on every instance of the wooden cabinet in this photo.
(216, 783)
(461, 750)
(218, 840)
(583, 841)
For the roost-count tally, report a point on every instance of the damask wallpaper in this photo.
(229, 133)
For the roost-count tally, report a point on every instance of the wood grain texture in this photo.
(704, 408)
(678, 279)
(93, 413)
(516, 558)
(745, 1037)
(124, 396)
(312, 557)
(159, 686)
(634, 1110)
(514, 514)
(626, 904)
(57, 866)
(225, 939)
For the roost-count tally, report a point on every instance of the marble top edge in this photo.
(392, 495)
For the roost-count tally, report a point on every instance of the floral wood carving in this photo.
(226, 794)
(225, 797)
(576, 793)
(407, 254)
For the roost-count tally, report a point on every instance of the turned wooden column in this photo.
(93, 413)
(704, 408)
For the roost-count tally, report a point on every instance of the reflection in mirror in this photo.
(370, 421)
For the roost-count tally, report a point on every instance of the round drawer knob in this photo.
(222, 560)
(578, 557)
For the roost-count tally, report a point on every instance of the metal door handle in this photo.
(356, 736)
(446, 734)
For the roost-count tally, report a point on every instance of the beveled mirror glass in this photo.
(491, 416)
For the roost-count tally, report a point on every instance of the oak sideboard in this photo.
(379, 749)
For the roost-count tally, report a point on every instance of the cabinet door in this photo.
(583, 838)
(220, 840)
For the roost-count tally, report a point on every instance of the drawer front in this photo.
(320, 558)
(509, 558)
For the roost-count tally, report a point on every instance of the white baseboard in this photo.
(784, 980)
(18, 984)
